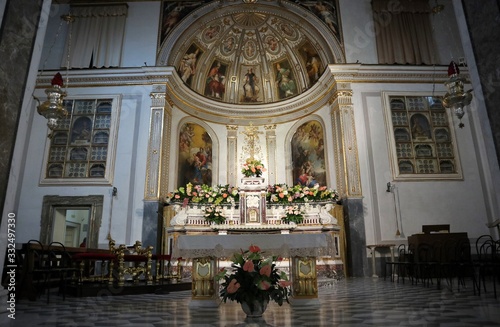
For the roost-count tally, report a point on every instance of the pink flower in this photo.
(285, 283)
(264, 285)
(233, 286)
(254, 248)
(265, 270)
(248, 266)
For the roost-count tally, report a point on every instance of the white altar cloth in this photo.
(284, 245)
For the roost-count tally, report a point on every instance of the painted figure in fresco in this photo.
(285, 83)
(174, 13)
(229, 44)
(327, 13)
(216, 82)
(272, 42)
(250, 88)
(212, 31)
(187, 67)
(313, 69)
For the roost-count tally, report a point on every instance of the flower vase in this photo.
(255, 309)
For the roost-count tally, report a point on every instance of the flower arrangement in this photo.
(214, 213)
(220, 194)
(283, 194)
(293, 214)
(253, 277)
(253, 167)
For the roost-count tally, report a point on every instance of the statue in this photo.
(324, 215)
(180, 218)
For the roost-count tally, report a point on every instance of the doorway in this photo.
(72, 220)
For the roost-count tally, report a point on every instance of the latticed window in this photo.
(423, 141)
(79, 146)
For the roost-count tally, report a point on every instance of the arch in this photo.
(251, 36)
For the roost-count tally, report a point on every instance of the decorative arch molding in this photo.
(264, 37)
(215, 144)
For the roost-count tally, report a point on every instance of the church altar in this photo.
(208, 251)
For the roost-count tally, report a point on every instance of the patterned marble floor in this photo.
(348, 302)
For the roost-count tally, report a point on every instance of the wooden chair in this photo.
(59, 268)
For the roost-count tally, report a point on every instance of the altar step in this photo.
(99, 289)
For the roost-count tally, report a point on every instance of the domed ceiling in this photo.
(251, 53)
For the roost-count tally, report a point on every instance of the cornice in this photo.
(336, 80)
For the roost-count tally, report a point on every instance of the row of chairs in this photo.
(41, 266)
(48, 265)
(454, 260)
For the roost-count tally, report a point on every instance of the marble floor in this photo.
(348, 302)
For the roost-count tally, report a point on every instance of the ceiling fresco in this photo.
(249, 53)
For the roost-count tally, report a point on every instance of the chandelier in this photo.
(456, 99)
(53, 109)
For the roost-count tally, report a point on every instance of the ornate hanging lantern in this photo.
(456, 99)
(53, 108)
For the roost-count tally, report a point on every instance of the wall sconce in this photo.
(52, 109)
(456, 98)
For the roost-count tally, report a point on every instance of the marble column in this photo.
(157, 170)
(483, 24)
(348, 178)
(21, 22)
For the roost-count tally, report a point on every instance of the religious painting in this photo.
(228, 45)
(420, 127)
(327, 12)
(272, 44)
(251, 84)
(215, 85)
(187, 66)
(211, 33)
(308, 155)
(81, 131)
(195, 155)
(314, 65)
(172, 13)
(285, 81)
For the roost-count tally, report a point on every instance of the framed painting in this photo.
(308, 155)
(195, 155)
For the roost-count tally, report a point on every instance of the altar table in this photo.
(284, 245)
(303, 249)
